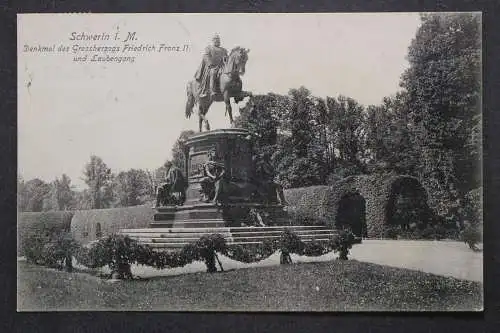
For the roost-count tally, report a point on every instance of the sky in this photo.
(130, 114)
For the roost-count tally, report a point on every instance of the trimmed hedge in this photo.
(320, 204)
(41, 224)
(85, 222)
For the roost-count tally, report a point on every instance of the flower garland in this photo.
(119, 252)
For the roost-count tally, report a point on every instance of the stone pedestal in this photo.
(232, 148)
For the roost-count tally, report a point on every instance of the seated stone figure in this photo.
(213, 181)
(174, 183)
(264, 177)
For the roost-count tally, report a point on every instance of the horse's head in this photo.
(237, 60)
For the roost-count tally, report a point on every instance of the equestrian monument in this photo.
(225, 187)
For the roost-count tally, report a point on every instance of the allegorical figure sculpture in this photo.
(265, 178)
(174, 183)
(212, 183)
(213, 60)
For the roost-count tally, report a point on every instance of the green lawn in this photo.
(325, 286)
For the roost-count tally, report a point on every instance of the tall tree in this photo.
(443, 85)
(299, 158)
(99, 178)
(177, 150)
(323, 141)
(132, 187)
(83, 200)
(262, 116)
(31, 195)
(61, 196)
(388, 136)
(348, 134)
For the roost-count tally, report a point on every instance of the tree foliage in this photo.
(132, 188)
(61, 195)
(177, 150)
(31, 195)
(98, 178)
(443, 87)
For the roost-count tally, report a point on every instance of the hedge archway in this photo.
(351, 213)
(407, 205)
(379, 191)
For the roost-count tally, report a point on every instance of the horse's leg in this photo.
(229, 110)
(200, 118)
(205, 111)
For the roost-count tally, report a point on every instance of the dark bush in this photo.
(46, 225)
(58, 252)
(392, 232)
(32, 248)
(298, 216)
(55, 251)
(471, 236)
(116, 251)
(315, 249)
(206, 249)
(343, 242)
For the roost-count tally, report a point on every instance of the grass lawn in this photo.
(323, 286)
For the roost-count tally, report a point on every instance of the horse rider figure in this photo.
(214, 59)
(175, 182)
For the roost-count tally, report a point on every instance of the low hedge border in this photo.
(119, 252)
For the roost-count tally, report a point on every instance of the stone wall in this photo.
(86, 223)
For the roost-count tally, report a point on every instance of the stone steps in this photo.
(169, 238)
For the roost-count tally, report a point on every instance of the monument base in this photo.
(214, 216)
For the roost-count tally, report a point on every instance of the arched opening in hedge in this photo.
(407, 205)
(351, 213)
(98, 231)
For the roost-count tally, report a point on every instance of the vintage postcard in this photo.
(250, 162)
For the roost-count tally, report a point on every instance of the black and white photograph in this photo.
(306, 162)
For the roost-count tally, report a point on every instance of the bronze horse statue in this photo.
(229, 84)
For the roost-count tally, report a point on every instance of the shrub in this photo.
(315, 249)
(55, 251)
(392, 232)
(471, 236)
(298, 216)
(116, 251)
(59, 252)
(206, 249)
(290, 243)
(31, 225)
(32, 248)
(343, 242)
(473, 206)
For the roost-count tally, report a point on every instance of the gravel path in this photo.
(447, 258)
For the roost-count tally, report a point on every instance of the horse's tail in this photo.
(190, 100)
